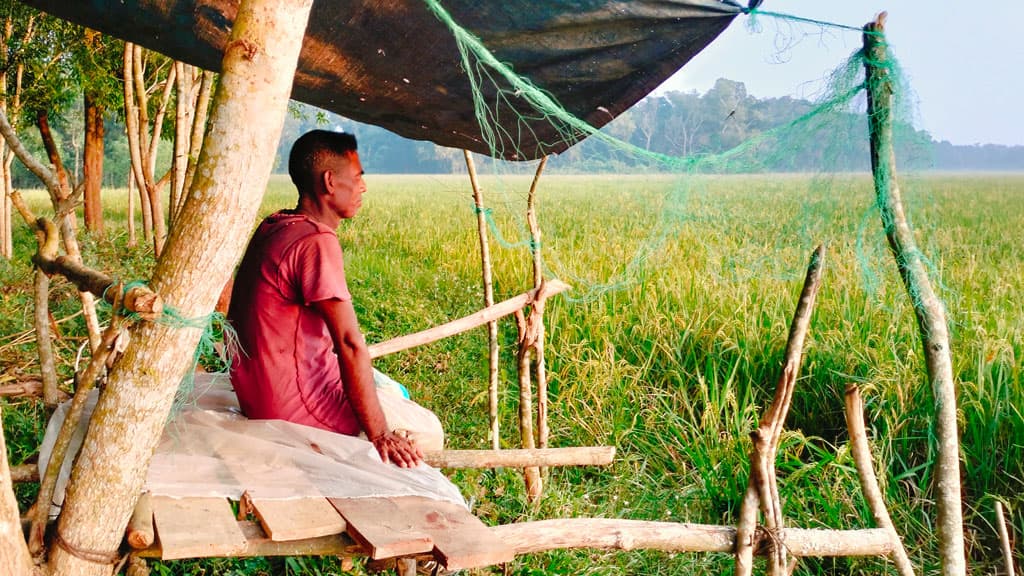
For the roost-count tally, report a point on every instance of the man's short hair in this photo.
(309, 151)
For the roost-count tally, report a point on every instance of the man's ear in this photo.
(326, 178)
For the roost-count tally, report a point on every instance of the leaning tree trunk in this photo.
(14, 556)
(258, 67)
(928, 308)
(93, 172)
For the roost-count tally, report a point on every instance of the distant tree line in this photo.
(693, 126)
(674, 124)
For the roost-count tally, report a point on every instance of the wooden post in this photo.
(1004, 539)
(531, 475)
(44, 344)
(928, 308)
(86, 382)
(868, 480)
(492, 326)
(538, 279)
(762, 486)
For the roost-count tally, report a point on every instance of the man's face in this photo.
(345, 184)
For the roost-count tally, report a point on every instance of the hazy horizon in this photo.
(961, 61)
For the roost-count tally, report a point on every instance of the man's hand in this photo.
(398, 450)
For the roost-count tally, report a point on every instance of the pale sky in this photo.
(964, 60)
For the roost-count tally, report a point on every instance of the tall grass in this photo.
(671, 354)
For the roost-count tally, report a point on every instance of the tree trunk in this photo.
(183, 105)
(6, 236)
(93, 172)
(202, 107)
(131, 210)
(68, 222)
(259, 64)
(14, 556)
(136, 135)
(928, 308)
(153, 187)
(6, 232)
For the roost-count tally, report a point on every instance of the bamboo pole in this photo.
(615, 534)
(492, 326)
(762, 486)
(868, 480)
(573, 456)
(460, 325)
(928, 308)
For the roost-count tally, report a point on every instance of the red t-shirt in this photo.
(287, 368)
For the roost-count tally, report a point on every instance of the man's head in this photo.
(312, 153)
(326, 170)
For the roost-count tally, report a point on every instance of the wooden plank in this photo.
(461, 540)
(259, 545)
(382, 526)
(196, 528)
(297, 519)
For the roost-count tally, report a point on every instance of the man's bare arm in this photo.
(357, 378)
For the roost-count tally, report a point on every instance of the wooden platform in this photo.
(378, 528)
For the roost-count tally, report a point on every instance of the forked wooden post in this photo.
(538, 279)
(492, 326)
(762, 486)
(531, 338)
(928, 308)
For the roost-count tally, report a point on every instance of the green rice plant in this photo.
(669, 345)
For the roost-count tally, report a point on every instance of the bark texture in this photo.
(615, 534)
(93, 164)
(258, 65)
(928, 308)
(492, 326)
(14, 556)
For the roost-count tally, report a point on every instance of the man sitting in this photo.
(303, 357)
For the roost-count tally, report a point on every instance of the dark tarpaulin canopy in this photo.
(393, 63)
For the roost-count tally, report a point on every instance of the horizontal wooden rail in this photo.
(613, 534)
(25, 473)
(454, 327)
(20, 389)
(521, 458)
